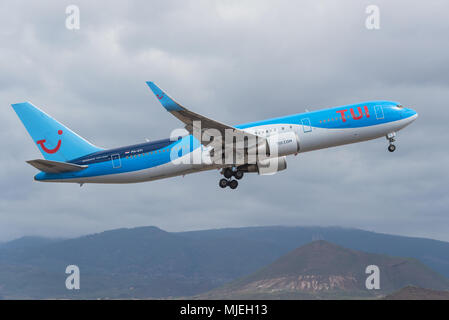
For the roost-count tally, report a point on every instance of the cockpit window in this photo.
(400, 106)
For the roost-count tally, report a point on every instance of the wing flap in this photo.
(55, 166)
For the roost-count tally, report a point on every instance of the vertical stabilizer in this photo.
(55, 141)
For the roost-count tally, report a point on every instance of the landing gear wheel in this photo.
(223, 183)
(228, 173)
(391, 147)
(238, 174)
(391, 138)
(233, 184)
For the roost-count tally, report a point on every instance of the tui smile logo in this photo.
(55, 149)
(160, 96)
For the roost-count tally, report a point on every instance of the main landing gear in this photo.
(391, 138)
(228, 173)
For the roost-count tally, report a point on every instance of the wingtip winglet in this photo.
(167, 102)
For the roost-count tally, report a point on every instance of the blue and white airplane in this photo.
(70, 158)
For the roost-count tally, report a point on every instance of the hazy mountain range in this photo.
(147, 262)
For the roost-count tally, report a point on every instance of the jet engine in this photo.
(283, 144)
(266, 166)
(271, 165)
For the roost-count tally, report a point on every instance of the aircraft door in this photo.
(116, 162)
(379, 112)
(307, 127)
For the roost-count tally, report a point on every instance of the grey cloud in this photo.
(235, 62)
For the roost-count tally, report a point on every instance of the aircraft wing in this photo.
(187, 116)
(55, 166)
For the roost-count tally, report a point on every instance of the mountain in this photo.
(320, 270)
(144, 262)
(279, 240)
(415, 293)
(26, 242)
(147, 262)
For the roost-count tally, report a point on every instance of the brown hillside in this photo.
(324, 270)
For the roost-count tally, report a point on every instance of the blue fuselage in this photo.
(315, 130)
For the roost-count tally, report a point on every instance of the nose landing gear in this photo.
(391, 138)
(228, 173)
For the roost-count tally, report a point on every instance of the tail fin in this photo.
(55, 141)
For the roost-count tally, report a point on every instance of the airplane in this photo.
(70, 158)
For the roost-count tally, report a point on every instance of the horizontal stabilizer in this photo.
(55, 166)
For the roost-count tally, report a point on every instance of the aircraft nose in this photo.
(408, 113)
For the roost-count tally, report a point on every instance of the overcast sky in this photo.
(234, 61)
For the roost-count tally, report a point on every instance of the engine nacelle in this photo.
(271, 165)
(283, 144)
